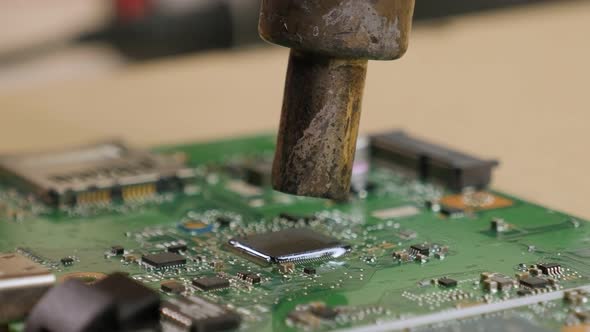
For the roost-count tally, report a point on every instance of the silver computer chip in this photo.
(289, 245)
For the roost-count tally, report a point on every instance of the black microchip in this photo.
(450, 211)
(293, 244)
(117, 250)
(172, 286)
(447, 282)
(177, 248)
(309, 270)
(137, 305)
(164, 259)
(420, 249)
(534, 282)
(549, 268)
(211, 283)
(223, 221)
(253, 278)
(67, 261)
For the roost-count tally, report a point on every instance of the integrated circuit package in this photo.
(289, 245)
(164, 259)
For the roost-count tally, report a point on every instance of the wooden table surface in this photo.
(513, 85)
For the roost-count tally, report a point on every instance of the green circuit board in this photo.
(414, 249)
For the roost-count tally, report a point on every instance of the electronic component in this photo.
(421, 249)
(534, 271)
(499, 225)
(117, 250)
(396, 212)
(447, 282)
(432, 162)
(196, 314)
(504, 283)
(164, 259)
(402, 256)
(195, 227)
(91, 174)
(440, 252)
(89, 278)
(286, 268)
(175, 248)
(217, 264)
(534, 282)
(293, 244)
(490, 285)
(550, 268)
(472, 200)
(223, 221)
(309, 270)
(66, 261)
(496, 281)
(419, 258)
(407, 234)
(131, 258)
(172, 286)
(451, 212)
(137, 306)
(253, 278)
(22, 283)
(73, 306)
(250, 277)
(210, 283)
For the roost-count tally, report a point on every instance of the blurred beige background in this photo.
(509, 84)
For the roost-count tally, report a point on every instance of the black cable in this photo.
(211, 26)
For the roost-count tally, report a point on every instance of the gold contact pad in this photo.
(93, 197)
(138, 192)
(476, 201)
